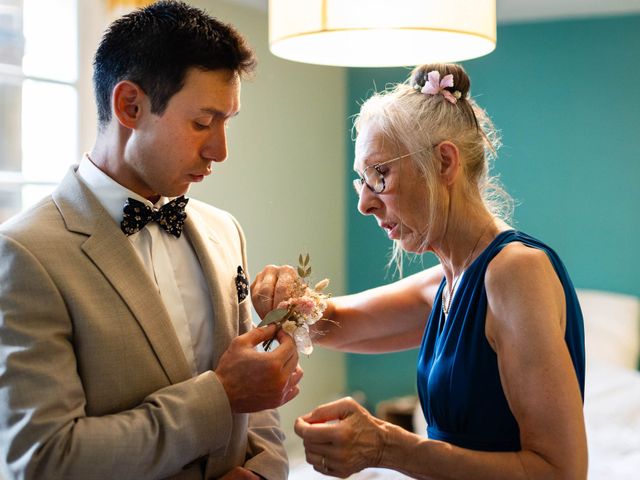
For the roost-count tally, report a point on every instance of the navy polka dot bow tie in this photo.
(170, 216)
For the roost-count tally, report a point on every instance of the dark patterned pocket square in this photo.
(242, 285)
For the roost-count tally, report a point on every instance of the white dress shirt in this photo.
(172, 265)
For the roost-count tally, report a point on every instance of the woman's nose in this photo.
(368, 201)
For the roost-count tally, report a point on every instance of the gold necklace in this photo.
(447, 299)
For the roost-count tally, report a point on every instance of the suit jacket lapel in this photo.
(114, 255)
(207, 246)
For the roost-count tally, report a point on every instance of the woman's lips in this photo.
(392, 230)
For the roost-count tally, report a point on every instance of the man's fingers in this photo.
(296, 376)
(256, 336)
(291, 394)
(240, 473)
(282, 336)
(286, 351)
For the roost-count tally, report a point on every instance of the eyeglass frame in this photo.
(360, 182)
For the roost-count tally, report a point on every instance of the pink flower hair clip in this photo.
(436, 86)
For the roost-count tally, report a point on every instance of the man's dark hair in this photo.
(155, 46)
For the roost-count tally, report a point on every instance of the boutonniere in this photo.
(303, 308)
(242, 284)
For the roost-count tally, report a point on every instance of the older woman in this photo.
(501, 364)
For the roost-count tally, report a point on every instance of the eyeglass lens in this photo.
(373, 179)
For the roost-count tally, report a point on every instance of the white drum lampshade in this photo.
(381, 33)
(117, 8)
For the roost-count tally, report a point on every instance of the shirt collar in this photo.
(111, 195)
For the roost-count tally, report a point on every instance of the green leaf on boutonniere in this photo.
(301, 272)
(274, 316)
(306, 260)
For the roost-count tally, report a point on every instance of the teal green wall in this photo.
(566, 96)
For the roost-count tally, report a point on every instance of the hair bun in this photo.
(461, 81)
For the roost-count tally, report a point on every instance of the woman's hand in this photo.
(270, 287)
(342, 438)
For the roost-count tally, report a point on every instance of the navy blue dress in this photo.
(458, 379)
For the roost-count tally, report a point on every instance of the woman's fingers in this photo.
(336, 410)
(271, 286)
(342, 435)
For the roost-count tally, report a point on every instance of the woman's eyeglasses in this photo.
(373, 177)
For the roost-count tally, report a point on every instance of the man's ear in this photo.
(127, 103)
(449, 155)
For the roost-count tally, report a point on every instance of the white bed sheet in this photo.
(612, 417)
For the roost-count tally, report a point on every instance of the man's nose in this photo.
(215, 148)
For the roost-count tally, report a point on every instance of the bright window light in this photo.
(49, 130)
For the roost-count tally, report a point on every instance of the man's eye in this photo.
(200, 126)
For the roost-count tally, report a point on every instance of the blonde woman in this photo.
(500, 373)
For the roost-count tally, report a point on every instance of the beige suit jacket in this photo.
(93, 381)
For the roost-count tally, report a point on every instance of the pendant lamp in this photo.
(381, 33)
(117, 8)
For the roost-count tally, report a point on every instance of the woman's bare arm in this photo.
(383, 319)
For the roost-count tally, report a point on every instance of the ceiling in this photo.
(533, 10)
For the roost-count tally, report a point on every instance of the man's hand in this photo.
(240, 473)
(256, 380)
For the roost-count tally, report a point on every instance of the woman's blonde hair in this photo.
(414, 122)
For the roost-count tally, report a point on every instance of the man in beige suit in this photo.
(126, 346)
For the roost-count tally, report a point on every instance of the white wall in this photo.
(285, 175)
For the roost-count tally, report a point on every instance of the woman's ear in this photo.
(127, 103)
(449, 155)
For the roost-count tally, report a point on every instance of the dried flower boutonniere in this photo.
(303, 308)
